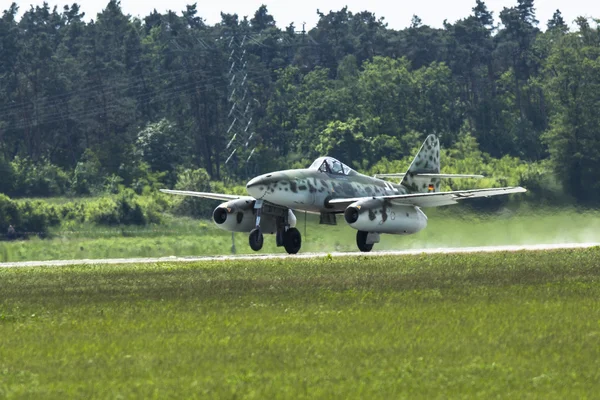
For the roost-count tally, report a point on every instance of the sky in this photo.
(397, 13)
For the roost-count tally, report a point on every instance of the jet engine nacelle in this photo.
(240, 216)
(235, 215)
(381, 216)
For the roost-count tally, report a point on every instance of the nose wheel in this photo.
(256, 239)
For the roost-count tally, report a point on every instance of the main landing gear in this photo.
(366, 240)
(287, 236)
(292, 240)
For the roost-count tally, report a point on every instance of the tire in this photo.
(292, 241)
(256, 239)
(361, 241)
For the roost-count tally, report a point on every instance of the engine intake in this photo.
(220, 215)
(351, 215)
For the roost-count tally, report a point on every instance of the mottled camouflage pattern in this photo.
(427, 161)
(311, 189)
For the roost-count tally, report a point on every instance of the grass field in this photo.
(449, 227)
(506, 325)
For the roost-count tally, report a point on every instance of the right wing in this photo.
(205, 195)
(435, 199)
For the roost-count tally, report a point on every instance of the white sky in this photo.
(397, 13)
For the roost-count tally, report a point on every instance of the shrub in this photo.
(129, 210)
(113, 184)
(140, 178)
(73, 211)
(102, 211)
(123, 209)
(27, 216)
(40, 179)
(196, 180)
(9, 214)
(87, 174)
(37, 216)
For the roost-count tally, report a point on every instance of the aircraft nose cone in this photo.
(257, 187)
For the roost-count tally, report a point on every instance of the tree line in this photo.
(123, 101)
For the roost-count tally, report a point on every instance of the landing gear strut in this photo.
(279, 219)
(256, 237)
(361, 241)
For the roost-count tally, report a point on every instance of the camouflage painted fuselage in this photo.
(311, 190)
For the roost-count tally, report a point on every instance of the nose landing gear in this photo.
(287, 236)
(256, 239)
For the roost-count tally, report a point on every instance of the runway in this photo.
(258, 256)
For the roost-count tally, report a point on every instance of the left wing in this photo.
(435, 199)
(205, 195)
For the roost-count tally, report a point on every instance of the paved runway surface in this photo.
(488, 249)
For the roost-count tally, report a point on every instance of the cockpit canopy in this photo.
(331, 166)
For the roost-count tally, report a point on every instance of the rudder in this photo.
(427, 161)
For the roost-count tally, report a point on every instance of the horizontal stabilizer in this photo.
(449, 176)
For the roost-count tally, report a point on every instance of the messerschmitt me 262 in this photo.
(370, 205)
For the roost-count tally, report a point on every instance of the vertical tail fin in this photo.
(427, 161)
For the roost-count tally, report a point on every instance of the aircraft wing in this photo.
(435, 199)
(448, 176)
(205, 195)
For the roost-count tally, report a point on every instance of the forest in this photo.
(118, 103)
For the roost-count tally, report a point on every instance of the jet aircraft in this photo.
(328, 187)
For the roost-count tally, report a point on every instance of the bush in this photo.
(124, 209)
(87, 174)
(198, 181)
(73, 211)
(103, 212)
(28, 217)
(129, 210)
(9, 214)
(41, 179)
(113, 184)
(140, 178)
(37, 216)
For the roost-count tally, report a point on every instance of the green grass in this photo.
(448, 227)
(507, 325)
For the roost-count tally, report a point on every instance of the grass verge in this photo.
(508, 325)
(450, 227)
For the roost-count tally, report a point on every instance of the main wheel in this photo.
(255, 239)
(361, 241)
(292, 241)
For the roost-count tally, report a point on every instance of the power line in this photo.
(54, 117)
(240, 99)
